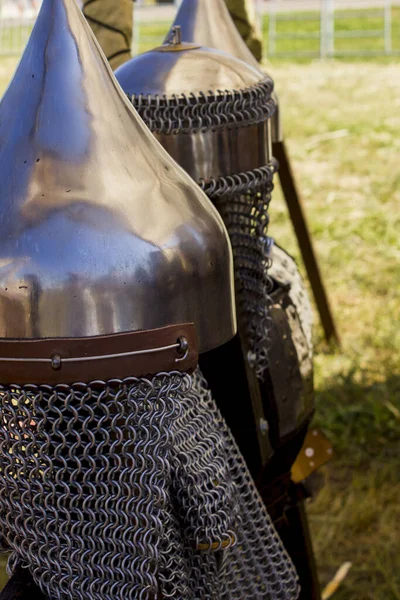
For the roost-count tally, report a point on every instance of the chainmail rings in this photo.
(133, 489)
(83, 472)
(243, 201)
(190, 113)
(257, 566)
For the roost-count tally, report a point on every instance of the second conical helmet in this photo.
(209, 23)
(211, 111)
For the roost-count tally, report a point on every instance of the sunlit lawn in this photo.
(368, 23)
(342, 125)
(351, 189)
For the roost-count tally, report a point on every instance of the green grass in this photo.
(351, 190)
(13, 39)
(306, 24)
(152, 34)
(310, 26)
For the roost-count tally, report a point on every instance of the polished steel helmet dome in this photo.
(209, 23)
(181, 68)
(100, 231)
(211, 111)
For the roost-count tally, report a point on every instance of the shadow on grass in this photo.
(356, 514)
(362, 419)
(355, 518)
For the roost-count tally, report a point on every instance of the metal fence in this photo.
(324, 28)
(16, 21)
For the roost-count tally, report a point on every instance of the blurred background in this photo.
(336, 65)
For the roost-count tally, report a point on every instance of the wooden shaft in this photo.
(299, 545)
(302, 232)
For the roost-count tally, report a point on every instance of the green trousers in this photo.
(111, 22)
(244, 15)
(3, 574)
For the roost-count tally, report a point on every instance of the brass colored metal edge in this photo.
(176, 47)
(216, 545)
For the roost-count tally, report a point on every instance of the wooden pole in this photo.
(299, 546)
(298, 218)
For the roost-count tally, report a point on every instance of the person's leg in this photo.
(3, 573)
(243, 13)
(112, 24)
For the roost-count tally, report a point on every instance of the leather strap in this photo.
(69, 360)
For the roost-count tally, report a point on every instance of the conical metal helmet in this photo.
(209, 110)
(101, 232)
(209, 23)
(212, 113)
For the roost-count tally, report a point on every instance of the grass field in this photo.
(342, 124)
(346, 22)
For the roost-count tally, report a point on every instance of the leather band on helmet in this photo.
(67, 360)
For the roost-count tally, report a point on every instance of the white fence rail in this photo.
(327, 34)
(16, 20)
(293, 27)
